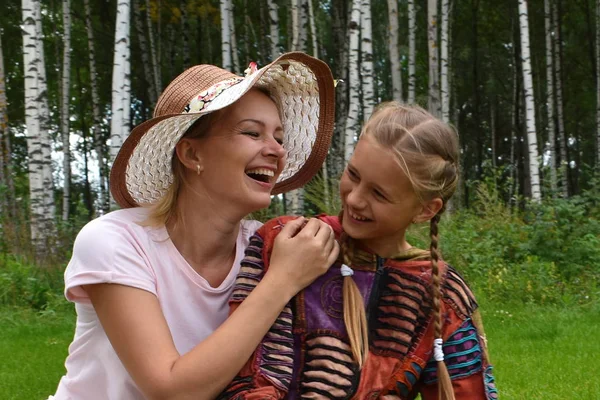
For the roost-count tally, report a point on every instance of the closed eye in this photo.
(251, 133)
(352, 174)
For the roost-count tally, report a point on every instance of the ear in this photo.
(429, 209)
(189, 155)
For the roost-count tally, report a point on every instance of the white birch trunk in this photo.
(550, 96)
(366, 48)
(534, 156)
(121, 86)
(36, 122)
(64, 117)
(412, 29)
(225, 32)
(295, 25)
(313, 29)
(562, 135)
(434, 71)
(98, 144)
(274, 28)
(146, 63)
(45, 138)
(352, 119)
(394, 51)
(155, 62)
(234, 50)
(444, 50)
(303, 23)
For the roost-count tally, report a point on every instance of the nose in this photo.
(274, 149)
(355, 198)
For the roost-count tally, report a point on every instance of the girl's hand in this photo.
(302, 252)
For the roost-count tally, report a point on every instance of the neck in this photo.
(386, 248)
(205, 235)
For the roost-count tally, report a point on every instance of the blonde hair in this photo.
(427, 152)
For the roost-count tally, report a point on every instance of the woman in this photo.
(151, 281)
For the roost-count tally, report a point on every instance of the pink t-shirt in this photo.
(116, 249)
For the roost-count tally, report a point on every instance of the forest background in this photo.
(519, 80)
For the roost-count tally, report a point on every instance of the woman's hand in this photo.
(302, 252)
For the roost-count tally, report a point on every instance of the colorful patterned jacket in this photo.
(306, 354)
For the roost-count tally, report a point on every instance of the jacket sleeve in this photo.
(268, 372)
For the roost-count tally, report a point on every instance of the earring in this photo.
(198, 169)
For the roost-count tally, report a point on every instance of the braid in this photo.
(444, 383)
(355, 317)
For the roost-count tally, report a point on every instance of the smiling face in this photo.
(378, 200)
(242, 155)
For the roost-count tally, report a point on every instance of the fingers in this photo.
(333, 256)
(292, 227)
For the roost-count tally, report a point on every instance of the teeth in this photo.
(357, 217)
(261, 171)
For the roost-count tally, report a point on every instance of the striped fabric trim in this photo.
(401, 314)
(251, 271)
(458, 294)
(490, 384)
(329, 371)
(462, 354)
(276, 357)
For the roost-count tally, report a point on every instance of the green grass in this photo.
(538, 352)
(33, 347)
(544, 352)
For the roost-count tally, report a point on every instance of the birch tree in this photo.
(41, 212)
(64, 108)
(313, 29)
(44, 116)
(302, 24)
(352, 119)
(395, 67)
(562, 136)
(295, 10)
(273, 28)
(97, 129)
(550, 95)
(412, 26)
(444, 50)
(366, 49)
(225, 35)
(234, 49)
(434, 77)
(534, 176)
(121, 84)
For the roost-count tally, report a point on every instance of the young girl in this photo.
(388, 320)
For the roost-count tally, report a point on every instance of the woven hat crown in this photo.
(188, 84)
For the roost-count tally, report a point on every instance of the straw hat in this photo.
(301, 86)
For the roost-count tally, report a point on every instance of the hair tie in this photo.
(438, 353)
(346, 270)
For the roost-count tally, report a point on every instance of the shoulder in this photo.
(458, 294)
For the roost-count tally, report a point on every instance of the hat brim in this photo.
(141, 172)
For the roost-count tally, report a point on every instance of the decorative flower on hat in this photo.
(201, 100)
(252, 68)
